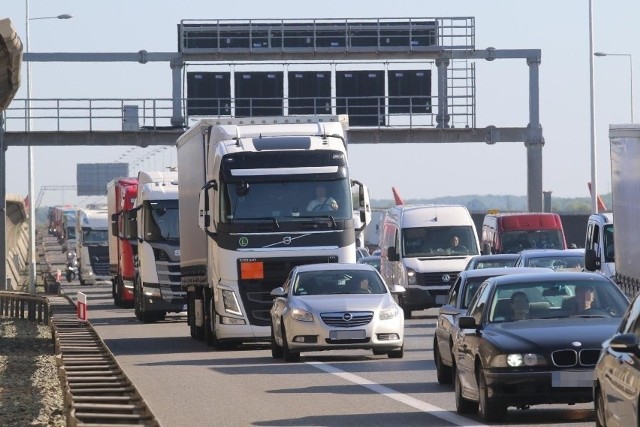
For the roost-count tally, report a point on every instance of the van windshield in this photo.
(517, 240)
(439, 241)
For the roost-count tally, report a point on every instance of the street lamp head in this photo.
(64, 16)
(599, 54)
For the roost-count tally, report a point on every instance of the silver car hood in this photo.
(341, 302)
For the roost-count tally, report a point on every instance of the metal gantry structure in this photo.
(441, 44)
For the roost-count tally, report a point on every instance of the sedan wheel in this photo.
(444, 373)
(276, 350)
(490, 409)
(396, 354)
(463, 405)
(601, 417)
(288, 355)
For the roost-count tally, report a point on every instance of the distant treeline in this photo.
(476, 203)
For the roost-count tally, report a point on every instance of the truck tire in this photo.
(143, 315)
(209, 328)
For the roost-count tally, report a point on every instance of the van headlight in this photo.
(388, 313)
(411, 277)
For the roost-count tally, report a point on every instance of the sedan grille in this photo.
(567, 358)
(347, 319)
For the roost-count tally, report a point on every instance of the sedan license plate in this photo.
(441, 299)
(572, 379)
(357, 334)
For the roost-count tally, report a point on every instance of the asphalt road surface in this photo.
(186, 383)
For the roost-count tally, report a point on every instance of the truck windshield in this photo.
(161, 220)
(439, 241)
(94, 237)
(286, 201)
(517, 240)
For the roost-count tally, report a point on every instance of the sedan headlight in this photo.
(411, 277)
(301, 315)
(518, 360)
(388, 313)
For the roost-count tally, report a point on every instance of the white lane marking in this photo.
(402, 398)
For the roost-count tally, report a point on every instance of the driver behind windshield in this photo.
(322, 202)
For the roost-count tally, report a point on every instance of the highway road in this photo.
(187, 383)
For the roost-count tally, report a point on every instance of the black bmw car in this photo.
(531, 339)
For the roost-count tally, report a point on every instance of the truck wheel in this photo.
(197, 332)
(209, 330)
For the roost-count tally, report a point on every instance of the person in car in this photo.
(519, 306)
(456, 246)
(582, 301)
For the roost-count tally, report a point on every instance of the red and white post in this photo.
(81, 307)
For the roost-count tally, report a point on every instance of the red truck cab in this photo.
(513, 232)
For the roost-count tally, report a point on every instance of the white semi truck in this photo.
(92, 246)
(625, 188)
(247, 215)
(157, 288)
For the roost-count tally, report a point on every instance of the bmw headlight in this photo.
(411, 277)
(301, 315)
(388, 313)
(518, 360)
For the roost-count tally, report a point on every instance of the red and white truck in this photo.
(121, 198)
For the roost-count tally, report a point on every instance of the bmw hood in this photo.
(549, 334)
(338, 302)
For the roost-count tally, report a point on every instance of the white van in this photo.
(418, 251)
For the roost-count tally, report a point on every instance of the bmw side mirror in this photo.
(625, 343)
(467, 322)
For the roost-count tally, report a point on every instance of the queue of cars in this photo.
(515, 330)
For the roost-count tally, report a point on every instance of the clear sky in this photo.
(560, 28)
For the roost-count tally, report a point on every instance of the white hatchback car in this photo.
(335, 306)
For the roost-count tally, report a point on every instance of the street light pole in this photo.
(30, 168)
(592, 108)
(630, 72)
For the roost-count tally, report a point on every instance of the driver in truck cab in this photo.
(322, 202)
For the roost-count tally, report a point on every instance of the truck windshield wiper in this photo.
(333, 221)
(263, 218)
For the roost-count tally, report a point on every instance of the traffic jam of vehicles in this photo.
(257, 237)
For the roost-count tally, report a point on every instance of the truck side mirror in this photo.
(392, 255)
(591, 260)
(114, 224)
(204, 215)
(364, 203)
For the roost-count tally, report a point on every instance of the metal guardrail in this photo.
(21, 305)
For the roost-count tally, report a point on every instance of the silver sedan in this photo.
(335, 306)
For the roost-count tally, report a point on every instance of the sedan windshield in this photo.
(338, 282)
(545, 299)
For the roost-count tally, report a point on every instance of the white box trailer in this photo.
(625, 187)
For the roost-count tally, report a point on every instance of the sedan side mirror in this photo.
(397, 289)
(467, 322)
(625, 343)
(278, 292)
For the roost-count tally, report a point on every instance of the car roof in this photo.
(335, 266)
(369, 258)
(543, 252)
(501, 271)
(563, 276)
(494, 256)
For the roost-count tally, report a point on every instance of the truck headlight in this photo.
(411, 277)
(230, 302)
(301, 315)
(388, 313)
